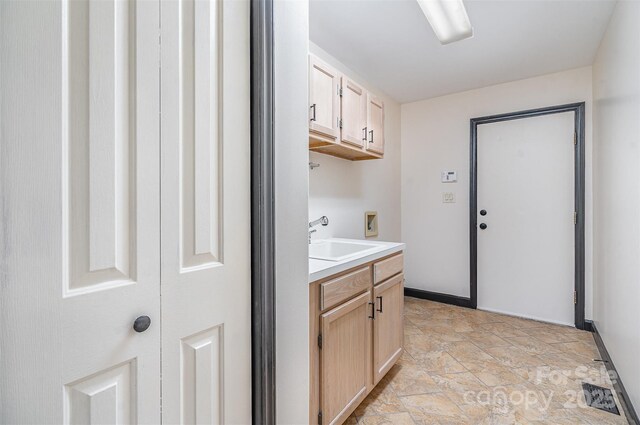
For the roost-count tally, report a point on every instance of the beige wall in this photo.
(343, 190)
(435, 138)
(616, 83)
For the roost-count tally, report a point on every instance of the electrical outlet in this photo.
(448, 197)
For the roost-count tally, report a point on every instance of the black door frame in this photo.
(579, 196)
(263, 315)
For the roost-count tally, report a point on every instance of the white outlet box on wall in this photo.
(448, 197)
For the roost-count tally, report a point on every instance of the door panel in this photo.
(388, 327)
(526, 185)
(324, 112)
(100, 84)
(201, 377)
(354, 113)
(105, 398)
(345, 358)
(82, 193)
(205, 212)
(375, 124)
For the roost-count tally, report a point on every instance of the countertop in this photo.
(319, 269)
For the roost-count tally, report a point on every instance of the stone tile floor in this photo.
(463, 366)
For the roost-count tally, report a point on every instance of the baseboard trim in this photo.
(438, 297)
(588, 326)
(627, 406)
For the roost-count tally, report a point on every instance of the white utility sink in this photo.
(337, 250)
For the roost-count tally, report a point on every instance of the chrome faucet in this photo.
(322, 220)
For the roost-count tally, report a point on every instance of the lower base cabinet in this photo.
(388, 328)
(356, 337)
(345, 358)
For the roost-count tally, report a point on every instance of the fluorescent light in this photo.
(448, 18)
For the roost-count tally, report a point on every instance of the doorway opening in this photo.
(578, 109)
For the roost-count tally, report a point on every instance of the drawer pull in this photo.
(380, 298)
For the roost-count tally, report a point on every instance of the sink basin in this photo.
(337, 250)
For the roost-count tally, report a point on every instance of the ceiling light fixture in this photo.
(448, 18)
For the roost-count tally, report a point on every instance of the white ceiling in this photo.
(390, 42)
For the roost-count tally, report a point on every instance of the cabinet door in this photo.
(375, 124)
(354, 113)
(388, 333)
(324, 105)
(345, 358)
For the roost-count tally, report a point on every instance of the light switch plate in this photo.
(448, 198)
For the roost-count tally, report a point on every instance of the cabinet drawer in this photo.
(344, 287)
(386, 268)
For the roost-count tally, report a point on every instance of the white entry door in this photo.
(526, 187)
(80, 212)
(206, 227)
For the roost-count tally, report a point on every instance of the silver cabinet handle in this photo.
(371, 134)
(364, 131)
(314, 112)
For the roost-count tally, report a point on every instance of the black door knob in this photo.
(142, 323)
(483, 226)
(483, 212)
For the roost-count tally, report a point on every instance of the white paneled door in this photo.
(80, 212)
(124, 181)
(206, 226)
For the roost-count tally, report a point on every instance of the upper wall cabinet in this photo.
(344, 119)
(354, 113)
(375, 125)
(324, 108)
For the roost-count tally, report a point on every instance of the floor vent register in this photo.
(600, 398)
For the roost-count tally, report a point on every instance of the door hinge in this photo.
(575, 217)
(340, 124)
(320, 417)
(320, 341)
(339, 91)
(575, 297)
